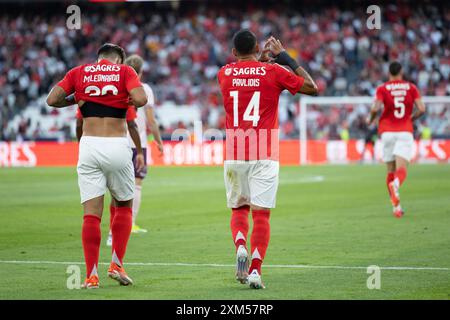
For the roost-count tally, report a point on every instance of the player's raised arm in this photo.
(264, 56)
(138, 97)
(58, 98)
(308, 87)
(61, 94)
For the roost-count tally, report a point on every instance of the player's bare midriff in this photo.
(103, 127)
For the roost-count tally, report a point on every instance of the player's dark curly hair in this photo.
(395, 68)
(108, 49)
(244, 41)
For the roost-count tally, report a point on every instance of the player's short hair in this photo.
(395, 68)
(244, 41)
(110, 50)
(136, 62)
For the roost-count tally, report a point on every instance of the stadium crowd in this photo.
(184, 49)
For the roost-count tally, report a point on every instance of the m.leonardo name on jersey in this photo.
(102, 78)
(245, 82)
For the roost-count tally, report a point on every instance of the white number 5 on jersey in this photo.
(251, 112)
(399, 103)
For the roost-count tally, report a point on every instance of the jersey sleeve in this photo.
(379, 94)
(415, 93)
(131, 114)
(288, 80)
(131, 79)
(68, 82)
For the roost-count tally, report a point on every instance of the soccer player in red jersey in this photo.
(250, 89)
(138, 158)
(396, 128)
(103, 90)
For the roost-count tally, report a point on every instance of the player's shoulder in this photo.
(127, 68)
(382, 86)
(412, 85)
(226, 69)
(277, 66)
(76, 69)
(228, 65)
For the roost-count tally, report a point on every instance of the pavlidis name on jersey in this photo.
(102, 67)
(238, 82)
(252, 71)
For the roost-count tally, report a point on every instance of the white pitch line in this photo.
(218, 265)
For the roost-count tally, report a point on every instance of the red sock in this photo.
(260, 238)
(400, 174)
(239, 225)
(389, 178)
(121, 229)
(112, 213)
(91, 237)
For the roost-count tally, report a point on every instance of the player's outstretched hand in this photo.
(264, 57)
(140, 163)
(275, 46)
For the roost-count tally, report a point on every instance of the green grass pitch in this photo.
(325, 216)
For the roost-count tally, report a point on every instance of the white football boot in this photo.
(255, 281)
(242, 264)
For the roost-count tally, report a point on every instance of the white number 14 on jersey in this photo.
(251, 112)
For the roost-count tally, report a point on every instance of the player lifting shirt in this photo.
(103, 91)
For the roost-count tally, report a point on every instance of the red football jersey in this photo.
(398, 98)
(250, 91)
(131, 114)
(103, 82)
